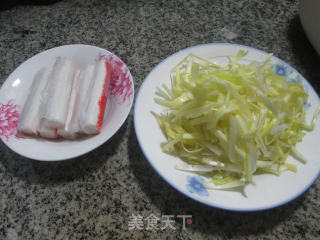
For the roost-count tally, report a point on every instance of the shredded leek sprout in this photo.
(229, 122)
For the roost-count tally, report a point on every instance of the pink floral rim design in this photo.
(120, 84)
(9, 117)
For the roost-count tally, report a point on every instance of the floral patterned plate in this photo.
(14, 91)
(267, 191)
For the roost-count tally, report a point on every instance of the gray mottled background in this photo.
(91, 197)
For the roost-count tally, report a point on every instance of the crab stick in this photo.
(47, 132)
(57, 94)
(86, 76)
(67, 131)
(78, 99)
(94, 108)
(29, 120)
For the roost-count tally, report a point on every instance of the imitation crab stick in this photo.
(86, 76)
(57, 94)
(94, 108)
(47, 132)
(68, 131)
(29, 118)
(66, 100)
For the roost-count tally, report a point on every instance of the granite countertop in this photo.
(93, 196)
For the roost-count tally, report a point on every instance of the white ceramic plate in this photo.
(268, 191)
(14, 91)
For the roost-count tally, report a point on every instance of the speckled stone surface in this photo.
(92, 197)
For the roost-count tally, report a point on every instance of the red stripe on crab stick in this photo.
(104, 96)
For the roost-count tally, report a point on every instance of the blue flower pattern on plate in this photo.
(293, 80)
(282, 70)
(291, 75)
(306, 105)
(195, 186)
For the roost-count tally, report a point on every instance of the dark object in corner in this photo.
(6, 4)
(40, 2)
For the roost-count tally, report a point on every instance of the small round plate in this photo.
(14, 91)
(267, 191)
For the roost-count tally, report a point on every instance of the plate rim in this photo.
(83, 152)
(175, 186)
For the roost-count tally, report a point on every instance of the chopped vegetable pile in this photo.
(229, 122)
